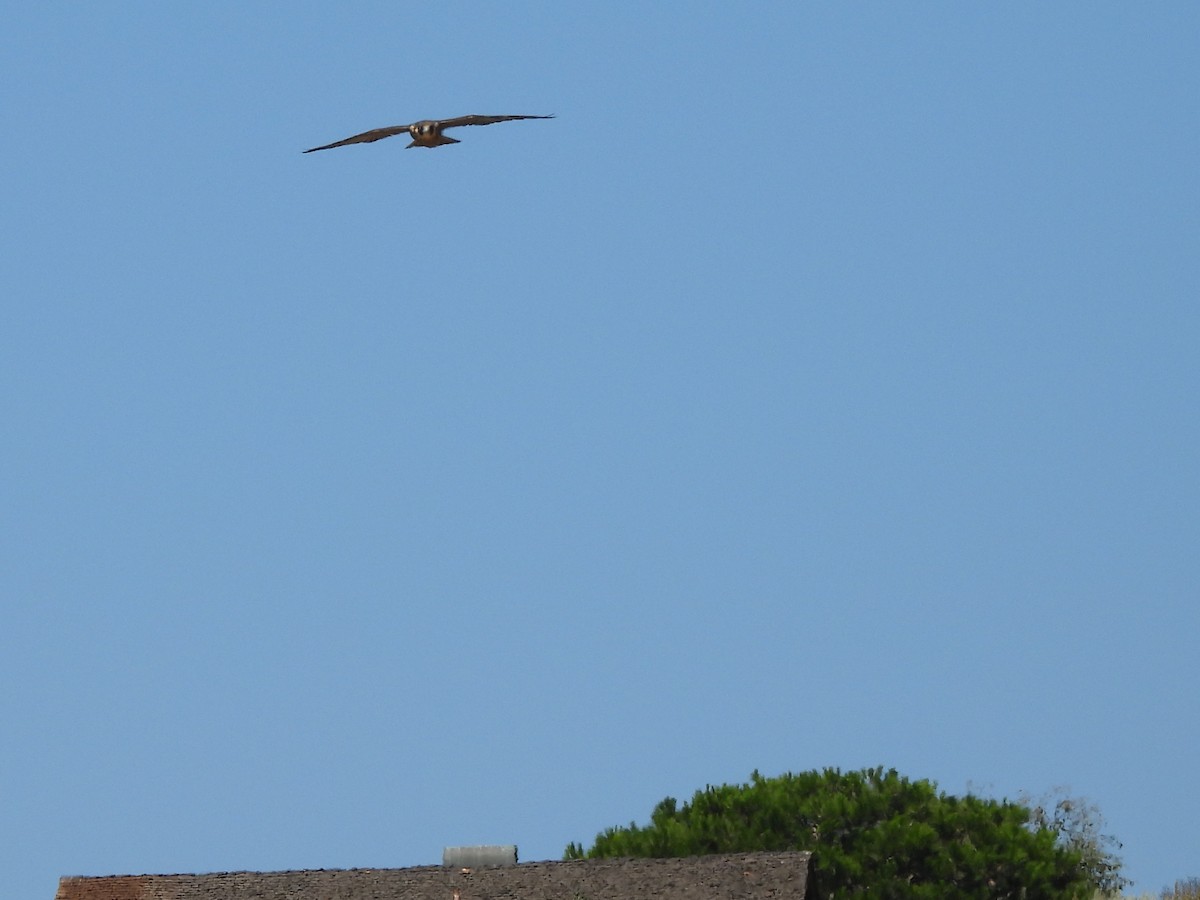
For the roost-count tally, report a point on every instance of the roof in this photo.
(734, 876)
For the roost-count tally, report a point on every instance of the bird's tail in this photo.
(434, 142)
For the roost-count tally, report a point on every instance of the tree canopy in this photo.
(873, 833)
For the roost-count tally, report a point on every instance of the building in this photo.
(733, 876)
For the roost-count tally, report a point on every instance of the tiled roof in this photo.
(736, 876)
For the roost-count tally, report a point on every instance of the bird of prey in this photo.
(426, 133)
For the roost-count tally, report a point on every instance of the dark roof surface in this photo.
(736, 876)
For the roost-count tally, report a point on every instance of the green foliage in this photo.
(874, 835)
(1079, 825)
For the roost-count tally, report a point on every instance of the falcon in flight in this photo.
(426, 133)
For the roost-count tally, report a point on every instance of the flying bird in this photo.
(426, 133)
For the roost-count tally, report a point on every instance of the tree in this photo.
(1078, 824)
(1183, 889)
(874, 834)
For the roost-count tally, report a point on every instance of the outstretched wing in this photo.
(366, 137)
(483, 120)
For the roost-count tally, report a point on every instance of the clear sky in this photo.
(819, 388)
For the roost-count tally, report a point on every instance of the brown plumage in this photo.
(426, 133)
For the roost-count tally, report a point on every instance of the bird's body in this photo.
(426, 133)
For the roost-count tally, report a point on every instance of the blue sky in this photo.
(820, 388)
